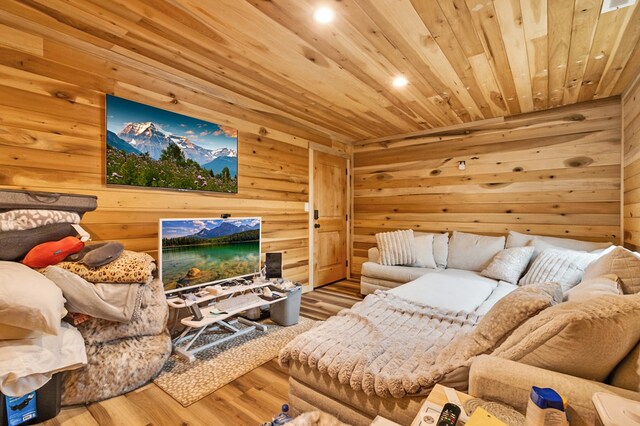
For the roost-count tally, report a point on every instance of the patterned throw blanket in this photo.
(384, 345)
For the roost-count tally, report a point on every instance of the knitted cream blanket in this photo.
(384, 345)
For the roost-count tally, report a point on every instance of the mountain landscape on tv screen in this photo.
(215, 232)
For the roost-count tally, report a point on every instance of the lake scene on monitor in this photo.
(199, 251)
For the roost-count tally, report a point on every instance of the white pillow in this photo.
(28, 300)
(621, 262)
(397, 247)
(441, 249)
(424, 251)
(562, 266)
(516, 239)
(374, 255)
(472, 252)
(594, 287)
(509, 264)
(26, 365)
(9, 332)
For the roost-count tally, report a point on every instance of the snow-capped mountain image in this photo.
(226, 228)
(148, 138)
(152, 147)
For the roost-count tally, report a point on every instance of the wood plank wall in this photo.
(52, 132)
(554, 172)
(631, 129)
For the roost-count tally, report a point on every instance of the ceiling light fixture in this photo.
(400, 81)
(324, 15)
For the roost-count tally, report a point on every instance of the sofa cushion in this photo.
(449, 289)
(594, 287)
(424, 251)
(558, 265)
(401, 274)
(472, 252)
(620, 262)
(627, 373)
(509, 264)
(584, 339)
(513, 310)
(440, 247)
(397, 247)
(401, 409)
(516, 239)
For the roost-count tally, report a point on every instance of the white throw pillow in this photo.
(441, 249)
(28, 300)
(472, 252)
(516, 239)
(621, 262)
(594, 287)
(559, 265)
(509, 264)
(424, 251)
(397, 247)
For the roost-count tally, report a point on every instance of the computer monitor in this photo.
(203, 251)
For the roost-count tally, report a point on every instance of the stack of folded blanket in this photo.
(111, 289)
(31, 218)
(125, 333)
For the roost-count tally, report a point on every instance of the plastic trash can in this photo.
(287, 312)
(47, 403)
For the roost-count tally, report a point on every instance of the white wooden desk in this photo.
(183, 345)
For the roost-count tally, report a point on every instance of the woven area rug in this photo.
(188, 382)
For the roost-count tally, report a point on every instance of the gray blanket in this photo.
(384, 345)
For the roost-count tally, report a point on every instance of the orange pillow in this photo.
(52, 252)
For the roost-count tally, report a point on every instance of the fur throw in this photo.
(115, 368)
(384, 345)
(149, 319)
(129, 268)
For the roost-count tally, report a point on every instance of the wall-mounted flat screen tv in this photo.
(153, 148)
(198, 252)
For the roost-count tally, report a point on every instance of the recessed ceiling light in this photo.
(324, 15)
(400, 81)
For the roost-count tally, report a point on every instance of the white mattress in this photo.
(454, 290)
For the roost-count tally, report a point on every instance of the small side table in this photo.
(430, 410)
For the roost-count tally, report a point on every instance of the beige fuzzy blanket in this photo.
(384, 345)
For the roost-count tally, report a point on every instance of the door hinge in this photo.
(346, 172)
(346, 262)
(346, 216)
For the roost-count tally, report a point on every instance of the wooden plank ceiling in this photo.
(465, 60)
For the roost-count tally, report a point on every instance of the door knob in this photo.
(317, 225)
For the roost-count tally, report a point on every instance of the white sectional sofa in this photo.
(375, 276)
(366, 360)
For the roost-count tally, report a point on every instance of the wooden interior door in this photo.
(330, 224)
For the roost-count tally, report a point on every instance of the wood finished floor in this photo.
(249, 400)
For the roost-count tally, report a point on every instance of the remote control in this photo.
(449, 415)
